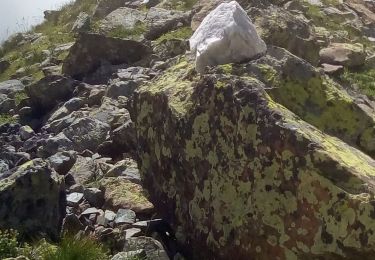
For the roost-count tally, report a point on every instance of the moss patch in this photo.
(181, 33)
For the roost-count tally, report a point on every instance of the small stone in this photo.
(90, 211)
(72, 224)
(26, 132)
(125, 216)
(132, 232)
(74, 199)
(62, 162)
(109, 216)
(94, 196)
(332, 69)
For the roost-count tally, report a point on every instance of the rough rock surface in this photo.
(345, 54)
(33, 200)
(91, 50)
(242, 177)
(226, 35)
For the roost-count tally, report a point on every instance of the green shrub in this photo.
(72, 248)
(8, 242)
(4, 119)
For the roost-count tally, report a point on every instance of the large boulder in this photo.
(92, 50)
(33, 200)
(241, 177)
(226, 35)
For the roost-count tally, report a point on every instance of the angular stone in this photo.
(121, 193)
(132, 232)
(153, 248)
(91, 211)
(49, 91)
(94, 196)
(332, 69)
(125, 216)
(73, 199)
(82, 24)
(26, 132)
(226, 35)
(62, 162)
(33, 200)
(9, 87)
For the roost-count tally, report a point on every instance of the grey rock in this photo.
(72, 224)
(87, 133)
(82, 24)
(161, 21)
(128, 18)
(49, 91)
(132, 232)
(54, 144)
(136, 254)
(153, 248)
(35, 193)
(121, 88)
(10, 87)
(51, 70)
(85, 170)
(110, 216)
(74, 199)
(6, 104)
(62, 162)
(125, 216)
(94, 196)
(26, 132)
(124, 137)
(91, 211)
(3, 167)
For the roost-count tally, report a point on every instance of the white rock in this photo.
(226, 35)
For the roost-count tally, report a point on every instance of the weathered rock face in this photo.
(91, 50)
(33, 200)
(225, 35)
(241, 177)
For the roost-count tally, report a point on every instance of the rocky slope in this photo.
(106, 125)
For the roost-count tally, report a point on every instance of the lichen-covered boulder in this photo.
(294, 83)
(241, 177)
(225, 35)
(32, 200)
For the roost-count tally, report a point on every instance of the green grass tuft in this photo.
(8, 241)
(364, 80)
(181, 33)
(71, 248)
